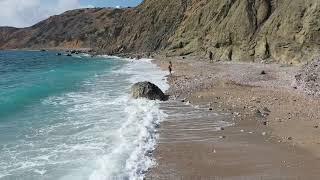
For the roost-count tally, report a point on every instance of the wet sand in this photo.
(270, 129)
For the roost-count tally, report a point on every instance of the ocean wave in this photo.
(94, 132)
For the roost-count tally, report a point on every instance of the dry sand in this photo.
(271, 129)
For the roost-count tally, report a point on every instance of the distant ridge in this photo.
(280, 30)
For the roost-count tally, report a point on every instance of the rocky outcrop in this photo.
(147, 90)
(281, 30)
(285, 31)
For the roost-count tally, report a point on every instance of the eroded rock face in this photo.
(147, 90)
(285, 31)
(282, 30)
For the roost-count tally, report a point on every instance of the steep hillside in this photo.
(72, 29)
(285, 30)
(148, 27)
(280, 30)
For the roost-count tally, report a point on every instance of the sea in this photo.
(73, 118)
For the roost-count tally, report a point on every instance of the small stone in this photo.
(290, 138)
(241, 130)
(316, 126)
(264, 133)
(221, 128)
(222, 137)
(265, 109)
(259, 114)
(263, 72)
(210, 109)
(265, 123)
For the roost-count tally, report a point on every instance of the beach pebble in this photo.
(222, 137)
(264, 133)
(316, 126)
(241, 130)
(265, 109)
(221, 128)
(290, 138)
(263, 72)
(237, 113)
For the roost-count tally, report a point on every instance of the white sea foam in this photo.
(145, 70)
(98, 132)
(143, 116)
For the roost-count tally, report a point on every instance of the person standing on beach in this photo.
(170, 67)
(211, 56)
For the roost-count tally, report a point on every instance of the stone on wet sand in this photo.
(263, 72)
(148, 90)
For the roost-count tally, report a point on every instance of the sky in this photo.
(23, 13)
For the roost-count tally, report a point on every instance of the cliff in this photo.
(247, 30)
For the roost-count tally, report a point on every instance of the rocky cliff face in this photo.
(73, 29)
(280, 30)
(284, 30)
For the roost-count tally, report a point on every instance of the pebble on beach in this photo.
(264, 133)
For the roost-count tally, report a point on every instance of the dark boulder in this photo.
(148, 90)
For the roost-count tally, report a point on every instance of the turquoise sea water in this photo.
(73, 118)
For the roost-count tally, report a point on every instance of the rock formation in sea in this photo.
(278, 30)
(147, 90)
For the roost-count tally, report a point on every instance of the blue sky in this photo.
(23, 13)
(110, 3)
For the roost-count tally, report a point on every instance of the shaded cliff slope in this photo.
(280, 30)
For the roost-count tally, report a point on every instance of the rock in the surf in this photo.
(147, 90)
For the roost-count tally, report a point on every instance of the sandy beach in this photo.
(270, 130)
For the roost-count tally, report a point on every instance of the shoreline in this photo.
(272, 133)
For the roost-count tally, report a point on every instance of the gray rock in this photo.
(147, 90)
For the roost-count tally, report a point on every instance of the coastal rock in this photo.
(148, 90)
